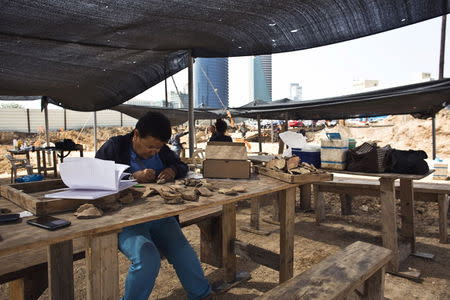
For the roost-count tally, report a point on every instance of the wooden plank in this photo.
(289, 178)
(287, 219)
(254, 213)
(384, 175)
(102, 267)
(39, 186)
(196, 216)
(334, 277)
(211, 241)
(19, 237)
(407, 212)
(276, 206)
(228, 236)
(258, 255)
(30, 286)
(374, 286)
(389, 221)
(60, 271)
(305, 196)
(443, 211)
(346, 204)
(319, 202)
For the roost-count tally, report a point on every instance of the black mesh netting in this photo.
(91, 55)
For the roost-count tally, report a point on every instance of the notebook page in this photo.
(89, 173)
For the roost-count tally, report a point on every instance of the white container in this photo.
(440, 171)
(333, 153)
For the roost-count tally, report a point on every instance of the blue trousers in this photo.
(142, 244)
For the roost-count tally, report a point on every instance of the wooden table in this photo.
(20, 152)
(390, 235)
(101, 237)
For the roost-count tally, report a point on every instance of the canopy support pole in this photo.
(191, 106)
(165, 89)
(441, 76)
(47, 133)
(259, 133)
(95, 131)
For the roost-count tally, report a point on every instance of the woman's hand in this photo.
(145, 176)
(167, 174)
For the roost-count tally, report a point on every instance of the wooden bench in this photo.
(26, 272)
(339, 275)
(348, 187)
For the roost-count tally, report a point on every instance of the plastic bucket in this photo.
(309, 157)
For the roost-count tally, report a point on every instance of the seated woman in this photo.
(149, 158)
(221, 128)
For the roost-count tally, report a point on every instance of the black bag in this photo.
(367, 158)
(407, 162)
(66, 144)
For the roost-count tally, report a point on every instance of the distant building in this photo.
(295, 92)
(261, 78)
(422, 77)
(177, 102)
(360, 84)
(211, 82)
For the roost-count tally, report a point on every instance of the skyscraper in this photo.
(295, 92)
(211, 82)
(262, 78)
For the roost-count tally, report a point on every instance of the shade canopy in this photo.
(421, 99)
(90, 55)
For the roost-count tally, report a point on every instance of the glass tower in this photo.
(211, 82)
(262, 77)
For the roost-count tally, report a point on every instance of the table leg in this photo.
(44, 163)
(211, 241)
(60, 271)
(228, 236)
(38, 159)
(407, 212)
(305, 197)
(275, 219)
(254, 218)
(287, 220)
(319, 203)
(55, 163)
(389, 221)
(443, 210)
(102, 267)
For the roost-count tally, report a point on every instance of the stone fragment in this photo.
(127, 199)
(88, 211)
(239, 188)
(205, 192)
(292, 162)
(190, 195)
(227, 191)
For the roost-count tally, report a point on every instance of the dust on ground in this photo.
(312, 244)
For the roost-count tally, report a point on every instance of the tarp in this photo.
(95, 54)
(176, 116)
(421, 100)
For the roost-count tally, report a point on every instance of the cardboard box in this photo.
(221, 168)
(226, 150)
(333, 153)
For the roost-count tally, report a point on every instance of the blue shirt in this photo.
(137, 163)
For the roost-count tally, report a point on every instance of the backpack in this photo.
(367, 158)
(407, 162)
(66, 144)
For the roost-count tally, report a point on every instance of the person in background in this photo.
(243, 130)
(221, 128)
(145, 150)
(175, 142)
(211, 130)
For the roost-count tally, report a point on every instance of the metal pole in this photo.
(191, 106)
(259, 133)
(95, 131)
(47, 134)
(65, 119)
(121, 120)
(165, 88)
(441, 76)
(28, 120)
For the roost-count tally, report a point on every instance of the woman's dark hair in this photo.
(154, 124)
(221, 126)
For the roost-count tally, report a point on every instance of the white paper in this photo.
(91, 178)
(88, 194)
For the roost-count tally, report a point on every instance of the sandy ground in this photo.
(312, 244)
